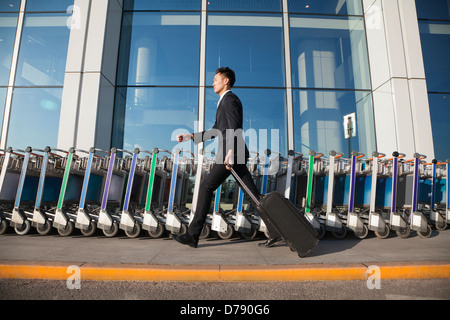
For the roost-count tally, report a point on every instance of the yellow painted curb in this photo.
(60, 271)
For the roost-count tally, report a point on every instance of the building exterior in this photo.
(312, 74)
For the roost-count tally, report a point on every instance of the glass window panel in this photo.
(329, 52)
(251, 45)
(8, 26)
(43, 50)
(159, 49)
(34, 119)
(263, 109)
(150, 117)
(440, 119)
(433, 9)
(10, 5)
(239, 5)
(435, 38)
(48, 5)
(162, 5)
(342, 7)
(319, 121)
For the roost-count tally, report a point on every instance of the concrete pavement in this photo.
(143, 258)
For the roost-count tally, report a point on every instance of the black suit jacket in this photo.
(228, 128)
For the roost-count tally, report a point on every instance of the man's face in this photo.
(220, 83)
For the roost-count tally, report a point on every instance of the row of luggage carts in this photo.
(156, 191)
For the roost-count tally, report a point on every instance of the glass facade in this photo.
(39, 73)
(434, 27)
(158, 84)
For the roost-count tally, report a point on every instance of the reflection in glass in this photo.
(152, 117)
(161, 5)
(435, 9)
(329, 52)
(10, 5)
(435, 38)
(2, 104)
(43, 50)
(239, 5)
(159, 49)
(319, 121)
(440, 119)
(48, 5)
(34, 119)
(8, 25)
(251, 45)
(265, 119)
(341, 7)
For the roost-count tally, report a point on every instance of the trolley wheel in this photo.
(251, 234)
(441, 226)
(321, 232)
(112, 231)
(67, 231)
(24, 228)
(425, 234)
(135, 232)
(340, 234)
(403, 232)
(158, 232)
(90, 229)
(383, 234)
(227, 234)
(45, 228)
(3, 226)
(364, 233)
(206, 231)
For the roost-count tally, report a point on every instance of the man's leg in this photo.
(214, 179)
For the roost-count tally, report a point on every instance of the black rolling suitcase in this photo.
(287, 220)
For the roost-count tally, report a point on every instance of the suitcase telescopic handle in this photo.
(236, 176)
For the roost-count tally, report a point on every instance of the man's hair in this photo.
(228, 73)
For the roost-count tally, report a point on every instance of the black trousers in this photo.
(215, 178)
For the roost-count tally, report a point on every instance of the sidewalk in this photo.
(145, 259)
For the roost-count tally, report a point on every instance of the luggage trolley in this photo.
(378, 217)
(418, 221)
(432, 194)
(19, 220)
(65, 215)
(177, 220)
(108, 218)
(12, 179)
(398, 219)
(91, 191)
(333, 221)
(30, 191)
(153, 220)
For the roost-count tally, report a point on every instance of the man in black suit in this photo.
(232, 151)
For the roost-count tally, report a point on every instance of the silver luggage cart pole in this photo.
(19, 220)
(333, 222)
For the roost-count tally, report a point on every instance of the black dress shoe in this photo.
(186, 239)
(270, 242)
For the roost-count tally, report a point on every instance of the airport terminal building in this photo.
(365, 75)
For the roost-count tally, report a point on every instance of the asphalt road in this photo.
(24, 289)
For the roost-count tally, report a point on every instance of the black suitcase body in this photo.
(286, 219)
(290, 223)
